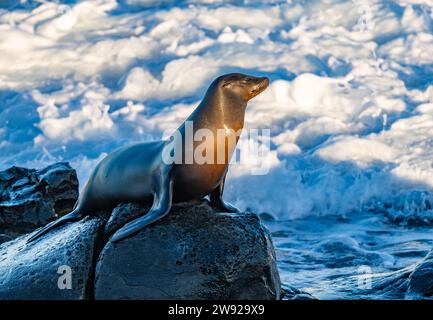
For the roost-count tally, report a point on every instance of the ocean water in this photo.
(334, 258)
(349, 110)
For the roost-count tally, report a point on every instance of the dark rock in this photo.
(5, 238)
(30, 271)
(412, 282)
(421, 279)
(292, 293)
(193, 253)
(31, 198)
(121, 215)
(391, 285)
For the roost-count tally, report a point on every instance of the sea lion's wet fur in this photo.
(137, 173)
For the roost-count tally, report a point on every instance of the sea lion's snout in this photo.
(260, 84)
(242, 85)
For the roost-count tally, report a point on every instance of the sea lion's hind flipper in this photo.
(70, 217)
(161, 206)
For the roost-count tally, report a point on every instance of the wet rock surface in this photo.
(292, 293)
(421, 279)
(41, 269)
(5, 238)
(413, 282)
(31, 198)
(193, 253)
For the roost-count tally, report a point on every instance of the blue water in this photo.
(326, 256)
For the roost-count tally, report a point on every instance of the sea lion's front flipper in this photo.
(216, 199)
(162, 200)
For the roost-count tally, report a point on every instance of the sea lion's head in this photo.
(227, 97)
(241, 85)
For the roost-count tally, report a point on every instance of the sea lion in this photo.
(141, 172)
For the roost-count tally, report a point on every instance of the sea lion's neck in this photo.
(218, 111)
(215, 112)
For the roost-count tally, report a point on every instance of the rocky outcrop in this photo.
(30, 198)
(420, 282)
(412, 282)
(193, 253)
(292, 293)
(42, 269)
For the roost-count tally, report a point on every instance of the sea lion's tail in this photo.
(70, 217)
